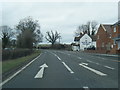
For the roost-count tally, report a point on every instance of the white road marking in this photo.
(93, 70)
(103, 58)
(40, 73)
(89, 61)
(18, 71)
(109, 67)
(101, 65)
(57, 56)
(69, 54)
(93, 62)
(86, 88)
(67, 67)
(79, 58)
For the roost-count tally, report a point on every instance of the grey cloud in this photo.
(64, 17)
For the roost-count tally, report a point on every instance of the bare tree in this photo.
(94, 27)
(52, 37)
(80, 30)
(85, 28)
(88, 28)
(6, 33)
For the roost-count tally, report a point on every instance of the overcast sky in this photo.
(64, 17)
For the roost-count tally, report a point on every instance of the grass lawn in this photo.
(11, 64)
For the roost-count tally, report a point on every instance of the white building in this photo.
(76, 45)
(84, 41)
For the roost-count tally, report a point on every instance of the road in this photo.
(67, 69)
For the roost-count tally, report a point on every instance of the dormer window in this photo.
(114, 29)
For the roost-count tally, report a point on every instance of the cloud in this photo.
(64, 17)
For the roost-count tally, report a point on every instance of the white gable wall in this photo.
(85, 42)
(94, 43)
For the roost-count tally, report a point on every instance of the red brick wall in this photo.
(103, 38)
(115, 34)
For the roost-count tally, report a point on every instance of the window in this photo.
(114, 29)
(98, 37)
(110, 36)
(114, 42)
(103, 44)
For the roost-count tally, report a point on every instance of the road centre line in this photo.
(93, 70)
(57, 56)
(64, 63)
(15, 74)
(67, 67)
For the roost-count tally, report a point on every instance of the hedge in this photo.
(16, 53)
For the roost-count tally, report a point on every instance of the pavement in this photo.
(66, 69)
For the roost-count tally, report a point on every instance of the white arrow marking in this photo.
(93, 70)
(40, 73)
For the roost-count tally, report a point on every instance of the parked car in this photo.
(92, 47)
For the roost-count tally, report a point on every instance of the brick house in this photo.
(116, 37)
(104, 38)
(107, 38)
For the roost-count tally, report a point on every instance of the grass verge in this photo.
(11, 64)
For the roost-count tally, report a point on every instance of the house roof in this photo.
(92, 37)
(117, 23)
(78, 38)
(107, 27)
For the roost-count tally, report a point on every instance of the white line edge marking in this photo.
(1, 84)
(93, 70)
(67, 67)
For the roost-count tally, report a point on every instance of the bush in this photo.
(16, 53)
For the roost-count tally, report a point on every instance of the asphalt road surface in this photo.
(67, 69)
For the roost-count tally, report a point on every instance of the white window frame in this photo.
(114, 29)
